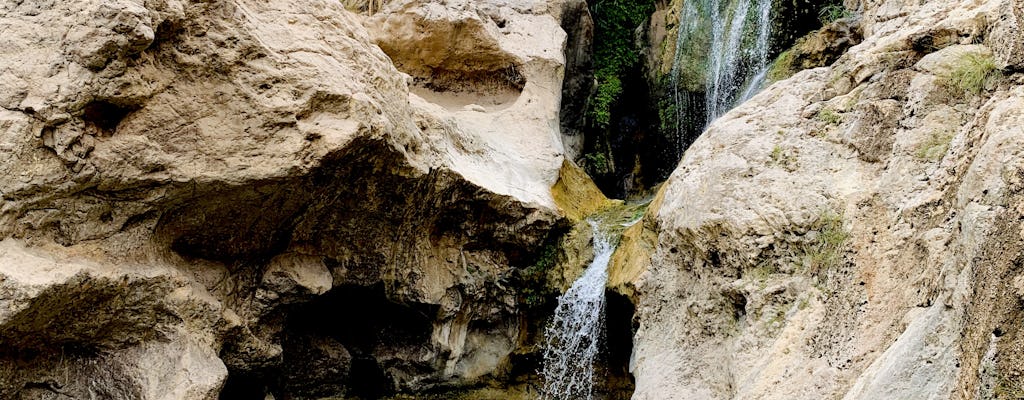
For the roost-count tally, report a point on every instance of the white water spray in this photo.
(759, 60)
(737, 53)
(574, 332)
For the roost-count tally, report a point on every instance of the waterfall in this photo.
(730, 40)
(759, 60)
(725, 53)
(689, 31)
(572, 336)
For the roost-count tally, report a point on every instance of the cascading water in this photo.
(760, 50)
(572, 336)
(726, 41)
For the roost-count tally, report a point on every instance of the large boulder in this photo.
(852, 231)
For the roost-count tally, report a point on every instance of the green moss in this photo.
(782, 67)
(972, 73)
(935, 147)
(617, 217)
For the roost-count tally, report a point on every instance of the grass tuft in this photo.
(832, 13)
(829, 116)
(972, 73)
(826, 252)
(783, 158)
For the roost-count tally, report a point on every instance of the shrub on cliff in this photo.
(615, 52)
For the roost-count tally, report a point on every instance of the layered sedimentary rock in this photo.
(238, 196)
(852, 231)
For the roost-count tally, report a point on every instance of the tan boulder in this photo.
(848, 232)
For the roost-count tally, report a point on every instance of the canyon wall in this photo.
(301, 198)
(853, 231)
(319, 199)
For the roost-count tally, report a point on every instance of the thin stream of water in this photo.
(737, 56)
(574, 332)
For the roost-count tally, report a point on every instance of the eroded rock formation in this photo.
(314, 198)
(238, 198)
(852, 231)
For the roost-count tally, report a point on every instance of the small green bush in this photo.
(596, 163)
(972, 73)
(783, 158)
(533, 286)
(829, 116)
(609, 87)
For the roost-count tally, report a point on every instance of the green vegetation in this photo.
(536, 283)
(762, 271)
(826, 251)
(615, 218)
(833, 12)
(668, 115)
(783, 158)
(829, 116)
(935, 147)
(533, 280)
(805, 301)
(972, 73)
(777, 319)
(596, 162)
(609, 87)
(615, 52)
(782, 67)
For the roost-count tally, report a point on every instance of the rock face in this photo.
(203, 198)
(319, 199)
(852, 231)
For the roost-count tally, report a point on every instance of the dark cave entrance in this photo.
(348, 342)
(618, 382)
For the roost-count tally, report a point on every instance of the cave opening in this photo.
(354, 341)
(105, 115)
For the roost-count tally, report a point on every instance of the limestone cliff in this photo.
(237, 198)
(305, 199)
(852, 231)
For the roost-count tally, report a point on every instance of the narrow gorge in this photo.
(497, 199)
